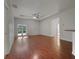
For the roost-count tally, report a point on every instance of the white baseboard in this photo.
(65, 39)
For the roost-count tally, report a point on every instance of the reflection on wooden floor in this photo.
(40, 47)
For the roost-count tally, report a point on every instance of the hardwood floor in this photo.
(40, 47)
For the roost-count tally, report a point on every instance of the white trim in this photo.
(46, 16)
(54, 14)
(65, 39)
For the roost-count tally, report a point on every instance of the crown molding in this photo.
(47, 16)
(55, 14)
(26, 18)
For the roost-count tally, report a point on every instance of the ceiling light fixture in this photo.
(36, 15)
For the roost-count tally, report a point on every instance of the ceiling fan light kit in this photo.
(36, 15)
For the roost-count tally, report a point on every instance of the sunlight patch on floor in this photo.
(22, 44)
(35, 56)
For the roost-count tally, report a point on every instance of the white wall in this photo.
(49, 27)
(45, 27)
(11, 31)
(66, 21)
(33, 26)
(6, 30)
(9, 27)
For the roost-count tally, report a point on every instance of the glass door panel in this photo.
(24, 30)
(21, 30)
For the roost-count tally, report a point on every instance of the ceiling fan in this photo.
(36, 15)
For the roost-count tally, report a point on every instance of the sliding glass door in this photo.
(21, 30)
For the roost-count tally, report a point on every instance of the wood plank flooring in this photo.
(40, 47)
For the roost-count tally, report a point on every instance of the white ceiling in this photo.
(45, 7)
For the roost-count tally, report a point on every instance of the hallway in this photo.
(40, 47)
